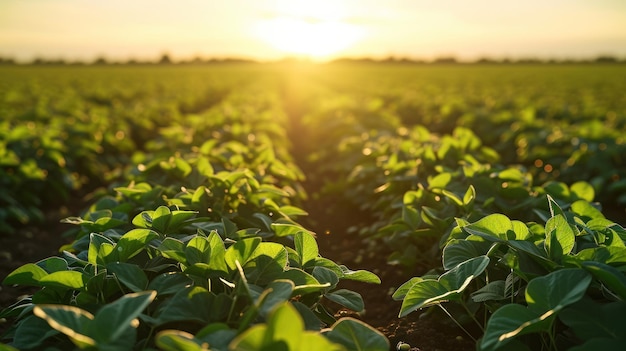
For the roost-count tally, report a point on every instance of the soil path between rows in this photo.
(330, 217)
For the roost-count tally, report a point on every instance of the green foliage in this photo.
(531, 274)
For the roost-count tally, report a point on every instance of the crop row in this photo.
(516, 257)
(201, 248)
(490, 182)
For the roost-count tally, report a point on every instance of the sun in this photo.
(315, 30)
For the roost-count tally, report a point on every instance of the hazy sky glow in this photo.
(323, 29)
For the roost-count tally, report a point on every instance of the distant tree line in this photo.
(482, 60)
(165, 59)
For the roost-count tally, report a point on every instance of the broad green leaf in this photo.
(28, 274)
(510, 321)
(546, 296)
(191, 304)
(583, 191)
(131, 243)
(254, 339)
(130, 275)
(95, 254)
(586, 211)
(589, 319)
(449, 286)
(493, 291)
(112, 320)
(611, 255)
(401, 292)
(458, 251)
(160, 219)
(266, 263)
(278, 291)
(198, 250)
(169, 283)
(452, 196)
(469, 196)
(69, 320)
(285, 229)
(612, 278)
(600, 344)
(347, 298)
(358, 336)
(306, 247)
(457, 276)
(304, 282)
(31, 332)
(179, 219)
(359, 275)
(498, 227)
(176, 340)
(64, 279)
(284, 331)
(241, 251)
(217, 335)
(560, 238)
(218, 252)
(173, 248)
(325, 275)
(53, 264)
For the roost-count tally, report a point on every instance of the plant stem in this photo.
(472, 316)
(457, 323)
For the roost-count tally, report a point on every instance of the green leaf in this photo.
(176, 340)
(130, 275)
(359, 275)
(347, 298)
(112, 320)
(218, 252)
(586, 211)
(161, 218)
(28, 274)
(401, 292)
(358, 336)
(131, 243)
(96, 255)
(510, 321)
(611, 277)
(278, 292)
(198, 250)
(53, 264)
(589, 319)
(69, 320)
(469, 196)
(266, 264)
(169, 283)
(285, 229)
(304, 282)
(65, 279)
(583, 191)
(241, 251)
(458, 251)
(191, 304)
(173, 248)
(31, 332)
(449, 286)
(546, 296)
(498, 227)
(284, 331)
(306, 247)
(493, 291)
(560, 238)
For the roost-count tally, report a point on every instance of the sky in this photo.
(315, 29)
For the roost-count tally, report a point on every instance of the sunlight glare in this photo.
(313, 29)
